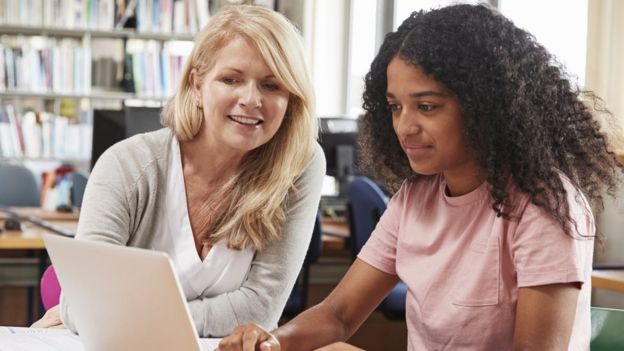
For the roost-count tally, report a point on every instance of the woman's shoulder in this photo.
(138, 154)
(317, 164)
(141, 148)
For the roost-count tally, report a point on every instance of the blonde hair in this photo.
(256, 206)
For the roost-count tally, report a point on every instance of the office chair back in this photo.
(79, 183)
(299, 295)
(18, 186)
(367, 203)
(607, 326)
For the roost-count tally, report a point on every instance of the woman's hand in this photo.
(246, 337)
(51, 319)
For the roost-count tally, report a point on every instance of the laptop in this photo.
(123, 298)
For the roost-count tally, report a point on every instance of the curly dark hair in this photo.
(523, 120)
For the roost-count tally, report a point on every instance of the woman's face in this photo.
(428, 122)
(242, 101)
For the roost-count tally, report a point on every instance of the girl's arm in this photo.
(334, 319)
(545, 317)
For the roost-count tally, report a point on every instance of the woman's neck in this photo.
(212, 163)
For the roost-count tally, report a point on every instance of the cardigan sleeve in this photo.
(273, 272)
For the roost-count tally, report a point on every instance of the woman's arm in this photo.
(334, 319)
(545, 317)
(263, 295)
(106, 213)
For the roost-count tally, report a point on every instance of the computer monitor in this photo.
(111, 126)
(142, 120)
(338, 138)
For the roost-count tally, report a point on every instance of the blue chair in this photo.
(367, 202)
(607, 326)
(79, 183)
(299, 295)
(18, 186)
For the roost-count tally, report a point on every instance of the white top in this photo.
(222, 270)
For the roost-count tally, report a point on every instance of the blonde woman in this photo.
(230, 189)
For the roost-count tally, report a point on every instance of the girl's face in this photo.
(427, 119)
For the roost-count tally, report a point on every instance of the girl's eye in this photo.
(426, 107)
(393, 107)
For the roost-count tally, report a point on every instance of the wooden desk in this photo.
(610, 279)
(46, 215)
(335, 236)
(31, 240)
(31, 237)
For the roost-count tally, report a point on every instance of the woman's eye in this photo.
(228, 80)
(426, 107)
(271, 86)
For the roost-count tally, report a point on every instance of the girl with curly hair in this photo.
(495, 157)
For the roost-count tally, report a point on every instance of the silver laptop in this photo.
(123, 298)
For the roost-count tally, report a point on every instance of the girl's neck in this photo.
(463, 182)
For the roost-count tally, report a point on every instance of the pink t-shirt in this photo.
(463, 265)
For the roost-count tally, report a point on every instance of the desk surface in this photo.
(610, 279)
(30, 237)
(40, 213)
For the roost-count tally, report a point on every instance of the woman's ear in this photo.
(195, 83)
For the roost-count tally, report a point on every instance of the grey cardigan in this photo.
(120, 206)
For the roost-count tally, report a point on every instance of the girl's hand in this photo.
(246, 337)
(339, 346)
(51, 319)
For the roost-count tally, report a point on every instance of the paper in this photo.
(36, 339)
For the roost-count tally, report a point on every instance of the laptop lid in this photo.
(122, 298)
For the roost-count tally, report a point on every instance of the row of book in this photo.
(155, 68)
(38, 64)
(69, 14)
(153, 16)
(171, 16)
(42, 135)
(47, 65)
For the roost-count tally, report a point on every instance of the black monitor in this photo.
(111, 126)
(338, 138)
(142, 120)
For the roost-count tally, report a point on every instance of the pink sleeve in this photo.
(543, 254)
(380, 249)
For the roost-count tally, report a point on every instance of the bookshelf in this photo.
(61, 59)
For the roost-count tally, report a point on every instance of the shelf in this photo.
(74, 161)
(94, 33)
(90, 96)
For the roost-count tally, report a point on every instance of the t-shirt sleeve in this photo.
(544, 254)
(380, 249)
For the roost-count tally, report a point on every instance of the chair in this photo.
(79, 183)
(18, 186)
(50, 288)
(607, 326)
(299, 295)
(367, 203)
